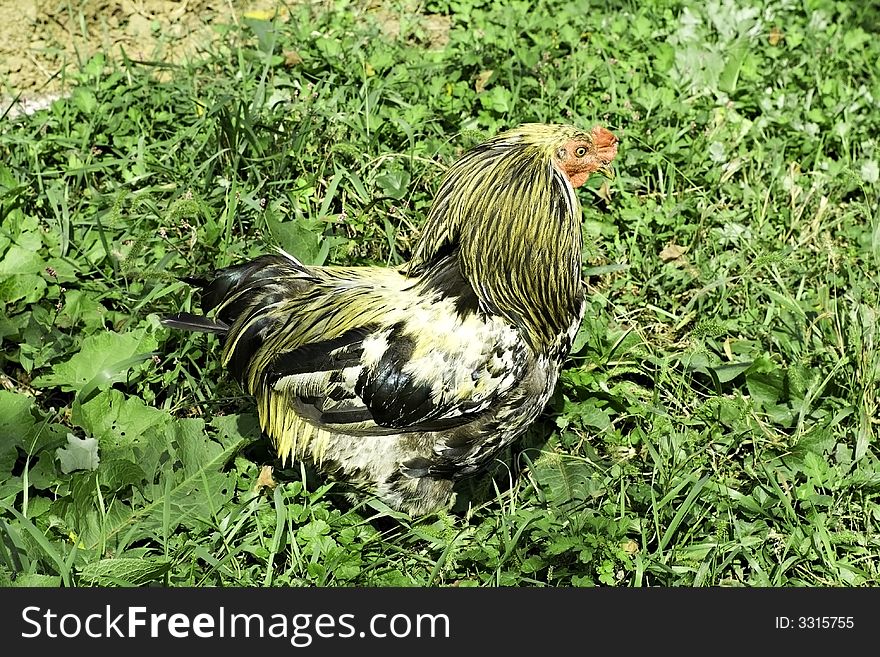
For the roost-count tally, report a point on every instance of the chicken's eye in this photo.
(580, 151)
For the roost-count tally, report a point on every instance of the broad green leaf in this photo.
(95, 66)
(734, 61)
(193, 447)
(81, 307)
(566, 479)
(36, 580)
(816, 467)
(84, 100)
(42, 474)
(394, 183)
(119, 473)
(303, 240)
(588, 413)
(90, 527)
(190, 495)
(136, 572)
(765, 389)
(21, 260)
(729, 372)
(16, 419)
(22, 287)
(102, 360)
(235, 427)
(498, 99)
(125, 427)
(19, 429)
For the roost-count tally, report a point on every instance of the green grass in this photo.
(716, 424)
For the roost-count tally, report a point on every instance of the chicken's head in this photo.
(585, 154)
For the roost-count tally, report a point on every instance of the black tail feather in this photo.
(195, 282)
(224, 282)
(233, 290)
(190, 322)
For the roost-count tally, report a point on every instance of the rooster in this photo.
(401, 381)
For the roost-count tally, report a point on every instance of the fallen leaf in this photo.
(265, 480)
(483, 80)
(292, 58)
(604, 191)
(775, 36)
(672, 252)
(727, 350)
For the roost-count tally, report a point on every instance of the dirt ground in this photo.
(39, 39)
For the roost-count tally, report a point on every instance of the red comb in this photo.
(605, 142)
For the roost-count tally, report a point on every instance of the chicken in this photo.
(401, 381)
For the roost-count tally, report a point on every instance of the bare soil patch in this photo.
(41, 39)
